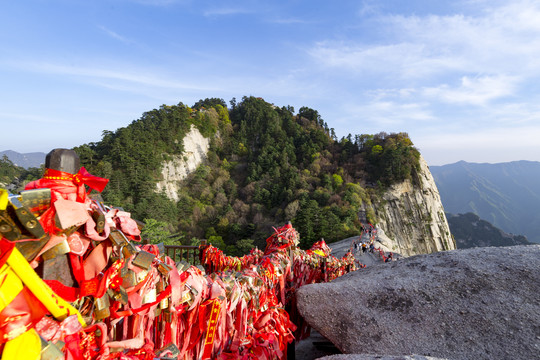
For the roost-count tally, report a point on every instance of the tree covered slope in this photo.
(266, 165)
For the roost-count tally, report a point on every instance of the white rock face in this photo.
(412, 217)
(195, 150)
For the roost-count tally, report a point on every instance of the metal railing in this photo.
(187, 253)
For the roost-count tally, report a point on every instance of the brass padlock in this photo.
(8, 227)
(186, 297)
(51, 351)
(17, 222)
(166, 315)
(164, 269)
(101, 307)
(59, 268)
(121, 295)
(129, 250)
(36, 200)
(118, 238)
(57, 250)
(150, 296)
(99, 218)
(182, 266)
(164, 304)
(141, 275)
(170, 351)
(27, 219)
(129, 279)
(160, 285)
(144, 259)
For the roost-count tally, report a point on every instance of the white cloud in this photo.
(505, 39)
(290, 20)
(30, 118)
(474, 91)
(381, 115)
(114, 35)
(119, 75)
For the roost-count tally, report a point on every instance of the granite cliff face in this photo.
(173, 171)
(411, 217)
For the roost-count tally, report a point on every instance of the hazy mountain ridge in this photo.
(25, 160)
(471, 231)
(505, 194)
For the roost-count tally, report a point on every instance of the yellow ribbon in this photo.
(3, 199)
(57, 306)
(24, 346)
(319, 252)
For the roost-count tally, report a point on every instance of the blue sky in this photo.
(461, 77)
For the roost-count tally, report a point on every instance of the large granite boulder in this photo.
(481, 303)
(377, 357)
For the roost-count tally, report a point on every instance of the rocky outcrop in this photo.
(377, 357)
(173, 171)
(479, 303)
(412, 217)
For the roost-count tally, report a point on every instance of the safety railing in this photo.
(187, 253)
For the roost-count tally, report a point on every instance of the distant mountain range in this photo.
(27, 160)
(505, 194)
(471, 231)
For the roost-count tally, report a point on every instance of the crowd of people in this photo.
(363, 245)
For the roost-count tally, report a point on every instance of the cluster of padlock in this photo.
(285, 268)
(74, 284)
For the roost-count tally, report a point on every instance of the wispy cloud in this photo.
(290, 20)
(114, 35)
(501, 39)
(143, 77)
(226, 11)
(30, 118)
(161, 2)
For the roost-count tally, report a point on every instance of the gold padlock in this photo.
(164, 304)
(59, 249)
(160, 285)
(128, 250)
(166, 315)
(164, 269)
(129, 279)
(141, 275)
(36, 200)
(99, 218)
(118, 238)
(186, 297)
(182, 266)
(51, 351)
(144, 259)
(170, 351)
(150, 296)
(101, 307)
(121, 295)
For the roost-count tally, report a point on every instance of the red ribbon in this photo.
(82, 177)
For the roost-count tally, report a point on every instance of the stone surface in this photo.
(481, 303)
(377, 357)
(411, 217)
(195, 150)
